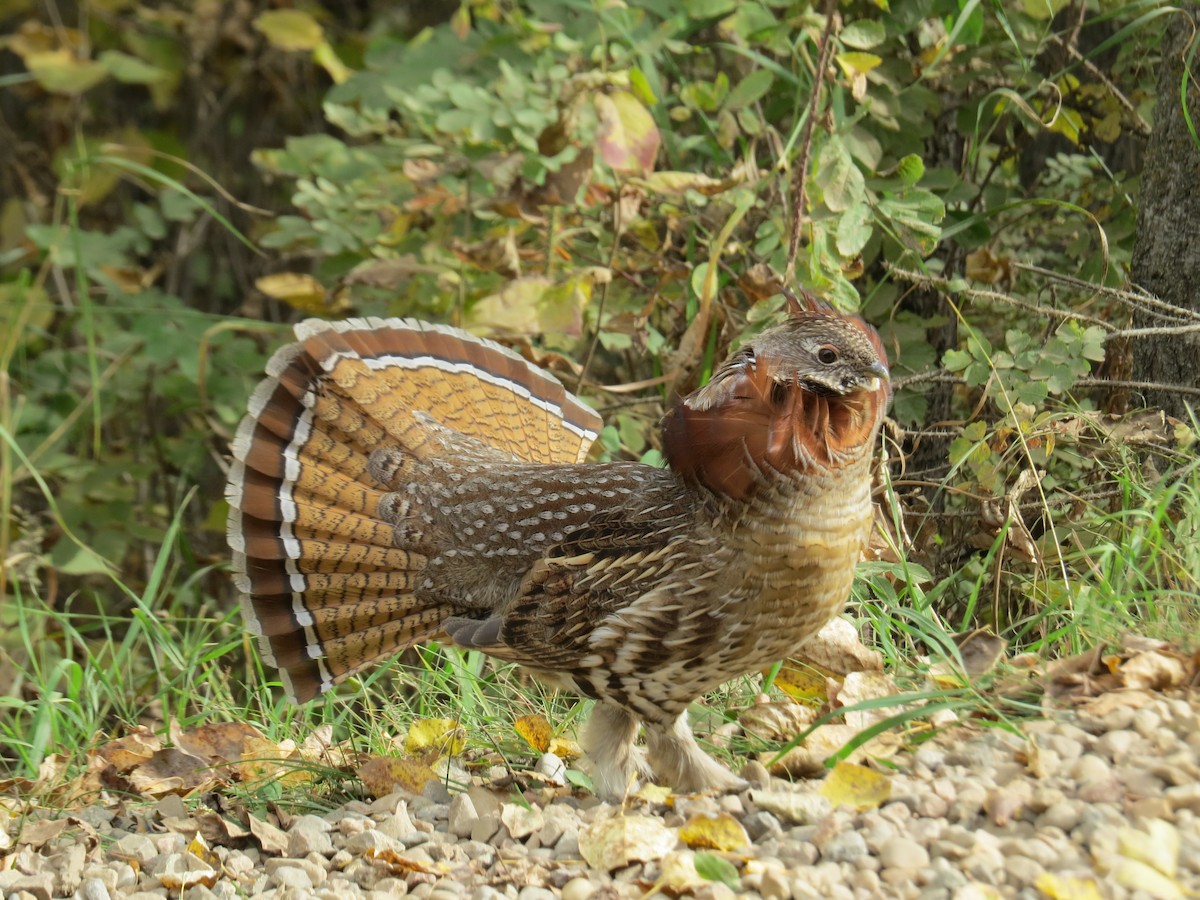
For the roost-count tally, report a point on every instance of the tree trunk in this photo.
(1166, 254)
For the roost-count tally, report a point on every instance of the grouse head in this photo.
(807, 396)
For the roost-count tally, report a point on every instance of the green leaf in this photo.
(854, 230)
(749, 89)
(864, 34)
(131, 70)
(915, 214)
(84, 562)
(1093, 343)
(840, 180)
(711, 867)
(581, 780)
(956, 360)
(640, 85)
(1042, 10)
(910, 170)
(60, 72)
(708, 9)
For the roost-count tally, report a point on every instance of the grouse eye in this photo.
(827, 355)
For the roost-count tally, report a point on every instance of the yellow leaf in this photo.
(857, 63)
(290, 29)
(1042, 10)
(802, 682)
(1067, 887)
(856, 786)
(326, 57)
(1067, 122)
(384, 774)
(676, 184)
(303, 292)
(536, 731)
(653, 793)
(1157, 847)
(565, 748)
(1137, 876)
(443, 736)
(61, 72)
(719, 832)
(1108, 129)
(628, 138)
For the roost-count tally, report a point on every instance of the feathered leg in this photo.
(678, 760)
(608, 742)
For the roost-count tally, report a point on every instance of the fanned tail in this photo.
(324, 585)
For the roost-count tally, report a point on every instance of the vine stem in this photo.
(612, 262)
(800, 173)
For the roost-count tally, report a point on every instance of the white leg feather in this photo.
(678, 760)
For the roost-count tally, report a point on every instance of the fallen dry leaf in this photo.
(678, 873)
(535, 729)
(180, 871)
(859, 687)
(270, 838)
(777, 720)
(808, 759)
(38, 833)
(1153, 671)
(1158, 846)
(836, 648)
(981, 650)
(385, 774)
(172, 771)
(216, 741)
(1067, 887)
(653, 793)
(565, 748)
(620, 840)
(803, 681)
(1101, 706)
(133, 749)
(858, 787)
(521, 821)
(444, 737)
(719, 832)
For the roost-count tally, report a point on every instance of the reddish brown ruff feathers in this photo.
(758, 415)
(396, 481)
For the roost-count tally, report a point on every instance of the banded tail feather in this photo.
(325, 587)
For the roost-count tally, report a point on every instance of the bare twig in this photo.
(1112, 331)
(612, 264)
(800, 173)
(948, 378)
(1139, 299)
(943, 284)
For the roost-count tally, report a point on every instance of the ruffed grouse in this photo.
(396, 482)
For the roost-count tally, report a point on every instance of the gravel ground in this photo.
(1092, 805)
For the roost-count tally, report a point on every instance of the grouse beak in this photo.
(874, 375)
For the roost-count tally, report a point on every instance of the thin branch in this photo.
(800, 174)
(1137, 299)
(948, 378)
(943, 284)
(1112, 331)
(612, 264)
